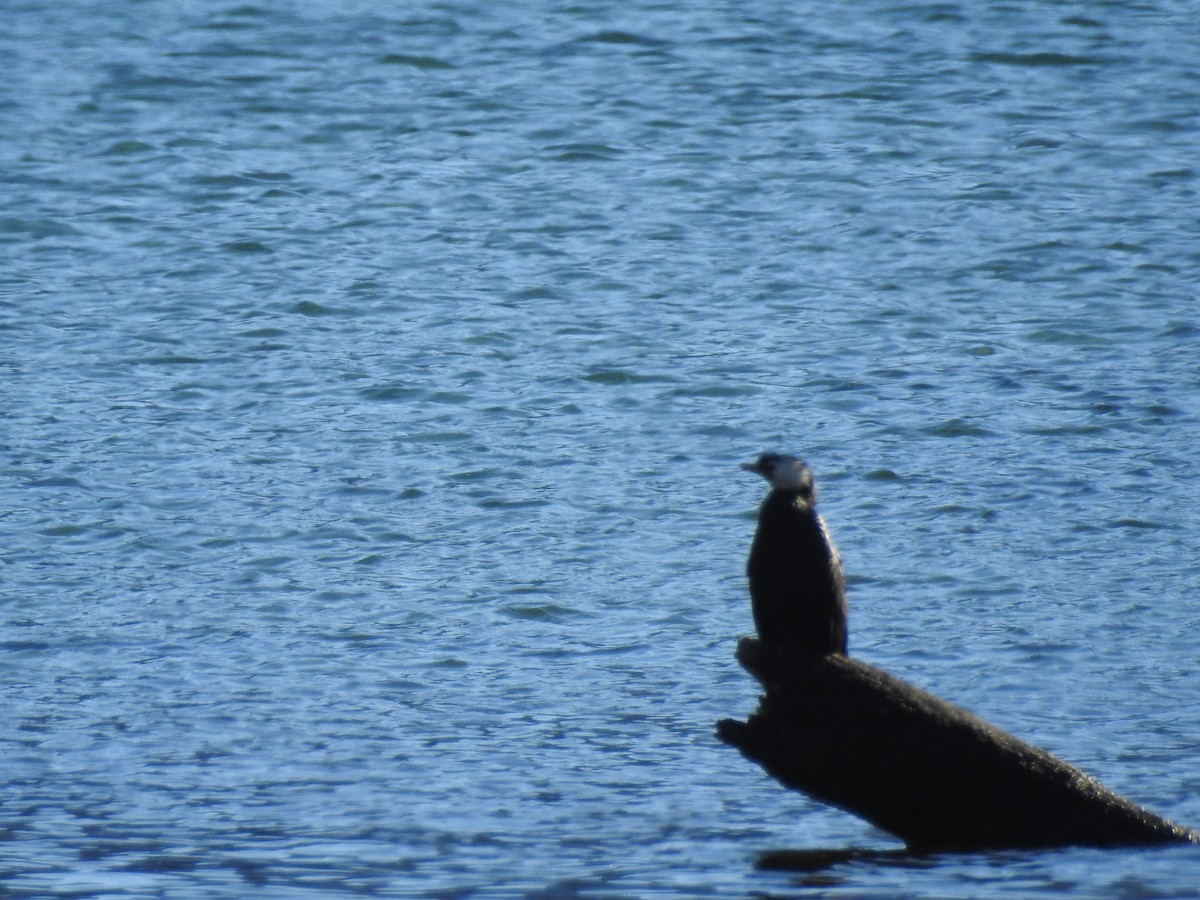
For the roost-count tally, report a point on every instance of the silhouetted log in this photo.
(928, 772)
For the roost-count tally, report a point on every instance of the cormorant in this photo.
(797, 589)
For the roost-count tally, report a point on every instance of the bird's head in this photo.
(786, 473)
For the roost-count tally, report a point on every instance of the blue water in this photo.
(373, 380)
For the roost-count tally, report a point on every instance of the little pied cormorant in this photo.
(797, 588)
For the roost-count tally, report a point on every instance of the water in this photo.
(375, 379)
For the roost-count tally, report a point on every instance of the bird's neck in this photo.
(791, 497)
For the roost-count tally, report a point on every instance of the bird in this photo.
(797, 586)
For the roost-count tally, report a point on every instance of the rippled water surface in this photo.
(373, 379)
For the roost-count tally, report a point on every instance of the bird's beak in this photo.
(752, 467)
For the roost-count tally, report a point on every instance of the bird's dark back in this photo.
(797, 589)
